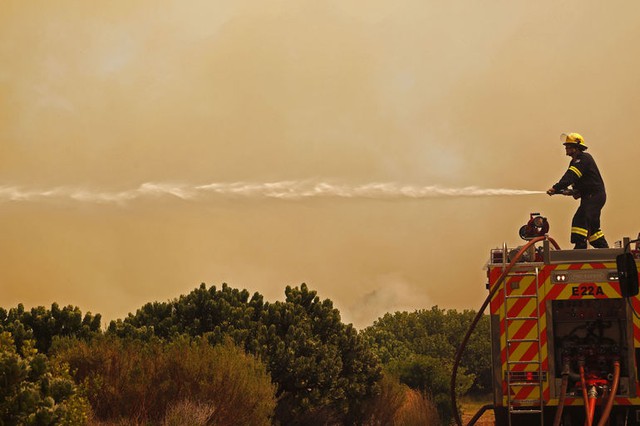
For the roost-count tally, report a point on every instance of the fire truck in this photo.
(565, 332)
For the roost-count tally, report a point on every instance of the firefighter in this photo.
(584, 178)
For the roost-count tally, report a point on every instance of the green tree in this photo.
(35, 391)
(42, 325)
(323, 368)
(222, 313)
(418, 348)
(436, 333)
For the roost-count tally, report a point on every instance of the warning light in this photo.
(560, 278)
(525, 376)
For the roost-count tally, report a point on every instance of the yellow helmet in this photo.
(574, 139)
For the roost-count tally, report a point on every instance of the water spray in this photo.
(285, 190)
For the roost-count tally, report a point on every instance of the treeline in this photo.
(222, 356)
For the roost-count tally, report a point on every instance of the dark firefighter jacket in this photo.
(583, 174)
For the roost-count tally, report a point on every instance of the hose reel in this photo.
(537, 226)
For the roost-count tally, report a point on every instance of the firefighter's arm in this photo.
(570, 177)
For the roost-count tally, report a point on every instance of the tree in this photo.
(36, 391)
(436, 333)
(418, 348)
(317, 361)
(322, 367)
(218, 313)
(42, 325)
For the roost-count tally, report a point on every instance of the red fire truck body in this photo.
(563, 337)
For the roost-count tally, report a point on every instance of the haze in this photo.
(107, 97)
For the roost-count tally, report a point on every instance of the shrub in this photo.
(384, 407)
(43, 325)
(188, 412)
(35, 391)
(323, 368)
(142, 380)
(399, 405)
(431, 376)
(417, 410)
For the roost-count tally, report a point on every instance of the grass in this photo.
(470, 404)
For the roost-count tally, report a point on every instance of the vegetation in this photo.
(398, 404)
(322, 368)
(41, 325)
(221, 356)
(133, 379)
(419, 348)
(34, 390)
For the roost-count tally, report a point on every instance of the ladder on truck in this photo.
(518, 380)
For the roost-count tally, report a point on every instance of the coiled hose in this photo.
(474, 323)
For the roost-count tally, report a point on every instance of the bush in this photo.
(398, 404)
(417, 347)
(436, 333)
(142, 380)
(323, 368)
(189, 413)
(384, 407)
(431, 376)
(43, 325)
(418, 410)
(35, 391)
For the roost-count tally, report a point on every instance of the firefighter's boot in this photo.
(580, 243)
(600, 243)
(579, 235)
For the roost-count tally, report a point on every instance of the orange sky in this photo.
(104, 97)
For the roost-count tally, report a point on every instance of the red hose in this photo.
(465, 340)
(604, 396)
(592, 409)
(563, 393)
(614, 389)
(583, 384)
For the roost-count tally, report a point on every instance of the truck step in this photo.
(518, 411)
(521, 318)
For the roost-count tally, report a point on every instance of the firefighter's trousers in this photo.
(585, 225)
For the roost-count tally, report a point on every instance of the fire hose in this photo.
(590, 399)
(614, 389)
(570, 192)
(563, 394)
(593, 395)
(583, 386)
(478, 316)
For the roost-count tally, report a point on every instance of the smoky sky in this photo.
(105, 97)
